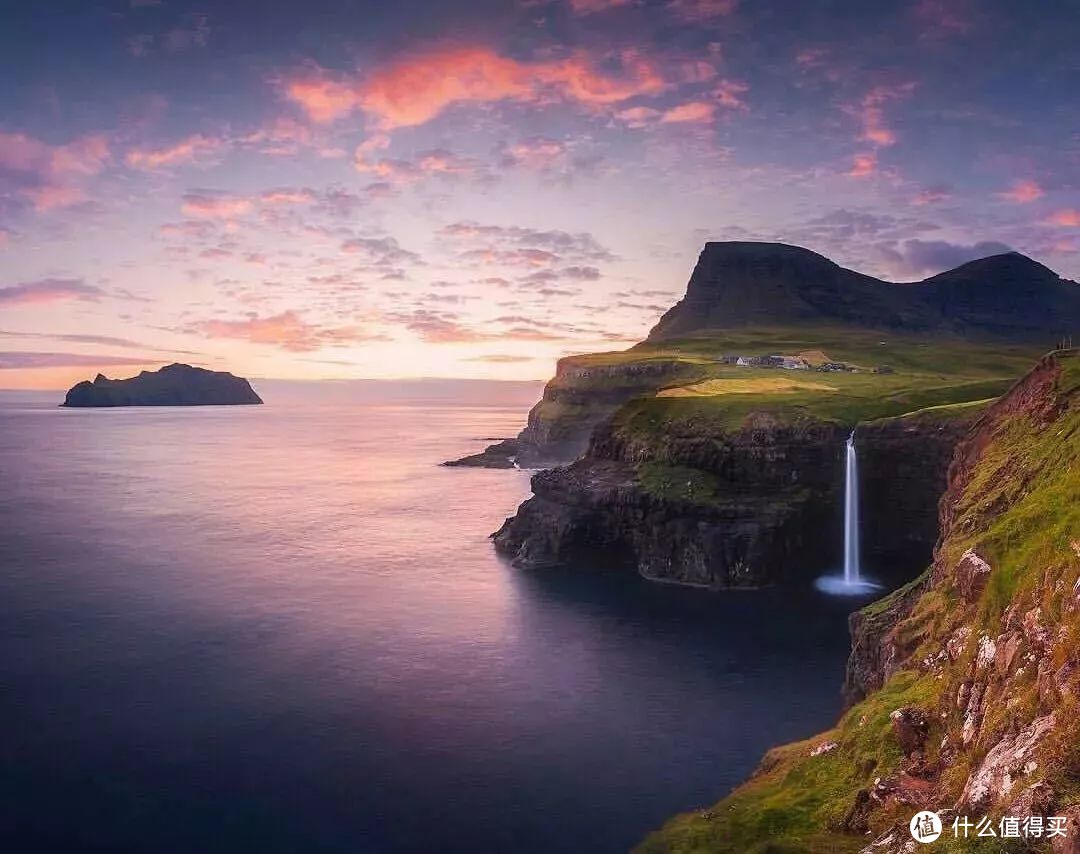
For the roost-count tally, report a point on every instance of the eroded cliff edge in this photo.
(757, 502)
(969, 677)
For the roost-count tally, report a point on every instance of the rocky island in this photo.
(172, 385)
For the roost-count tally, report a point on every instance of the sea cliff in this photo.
(964, 685)
(758, 504)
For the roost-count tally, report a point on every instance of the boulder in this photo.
(911, 726)
(972, 573)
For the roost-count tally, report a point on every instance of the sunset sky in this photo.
(335, 189)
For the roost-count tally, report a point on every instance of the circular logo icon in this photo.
(925, 826)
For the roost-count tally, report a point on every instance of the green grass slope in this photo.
(1019, 506)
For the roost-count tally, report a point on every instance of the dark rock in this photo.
(904, 464)
(972, 573)
(877, 649)
(173, 385)
(501, 455)
(769, 517)
(911, 726)
(737, 284)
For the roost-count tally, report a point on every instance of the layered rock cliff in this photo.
(584, 392)
(173, 385)
(966, 683)
(756, 504)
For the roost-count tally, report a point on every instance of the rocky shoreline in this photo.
(758, 506)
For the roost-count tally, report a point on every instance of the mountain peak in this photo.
(740, 283)
(993, 266)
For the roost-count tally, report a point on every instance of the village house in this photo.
(790, 363)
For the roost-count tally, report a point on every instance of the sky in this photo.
(471, 188)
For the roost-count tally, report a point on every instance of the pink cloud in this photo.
(692, 112)
(436, 162)
(932, 195)
(1023, 192)
(185, 151)
(863, 165)
(87, 155)
(534, 153)
(637, 117)
(50, 196)
(288, 196)
(210, 206)
(1066, 217)
(696, 11)
(728, 93)
(324, 100)
(591, 7)
(287, 330)
(51, 176)
(284, 136)
(413, 90)
(871, 113)
(530, 258)
(49, 291)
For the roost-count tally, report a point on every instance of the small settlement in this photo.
(793, 363)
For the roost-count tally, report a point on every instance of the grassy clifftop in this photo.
(719, 397)
(980, 707)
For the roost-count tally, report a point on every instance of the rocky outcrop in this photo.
(752, 507)
(502, 455)
(757, 504)
(878, 650)
(911, 728)
(972, 573)
(1008, 763)
(599, 514)
(582, 394)
(173, 385)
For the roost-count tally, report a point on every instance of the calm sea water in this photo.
(283, 629)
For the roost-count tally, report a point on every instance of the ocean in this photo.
(284, 629)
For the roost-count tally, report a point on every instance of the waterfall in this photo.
(851, 515)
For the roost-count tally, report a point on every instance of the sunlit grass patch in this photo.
(749, 385)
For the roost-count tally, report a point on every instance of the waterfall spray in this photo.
(851, 515)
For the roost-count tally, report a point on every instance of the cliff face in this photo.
(904, 465)
(757, 505)
(173, 385)
(966, 682)
(584, 392)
